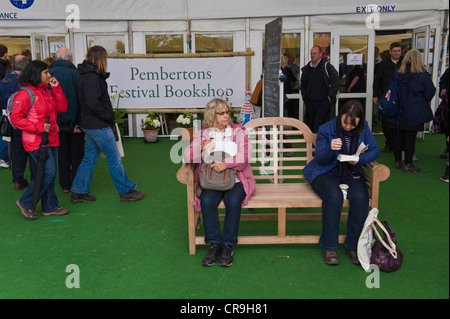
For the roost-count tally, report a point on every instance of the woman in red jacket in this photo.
(49, 100)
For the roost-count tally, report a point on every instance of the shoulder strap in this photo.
(32, 97)
(390, 245)
(326, 69)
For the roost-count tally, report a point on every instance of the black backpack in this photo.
(441, 119)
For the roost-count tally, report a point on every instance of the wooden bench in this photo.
(280, 183)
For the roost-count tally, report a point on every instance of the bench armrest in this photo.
(375, 173)
(185, 174)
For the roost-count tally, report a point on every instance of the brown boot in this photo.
(330, 257)
(353, 256)
(410, 168)
(132, 196)
(28, 213)
(78, 198)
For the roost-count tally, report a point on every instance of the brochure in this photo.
(353, 158)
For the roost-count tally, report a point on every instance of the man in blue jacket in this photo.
(71, 138)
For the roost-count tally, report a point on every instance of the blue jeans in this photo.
(233, 199)
(327, 187)
(3, 149)
(101, 140)
(49, 201)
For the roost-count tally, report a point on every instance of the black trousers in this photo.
(316, 113)
(70, 154)
(388, 131)
(19, 159)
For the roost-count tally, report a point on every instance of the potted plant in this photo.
(150, 126)
(186, 121)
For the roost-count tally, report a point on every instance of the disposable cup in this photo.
(344, 188)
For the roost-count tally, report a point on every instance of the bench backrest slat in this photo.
(281, 149)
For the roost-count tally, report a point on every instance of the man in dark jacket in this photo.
(319, 85)
(71, 138)
(9, 85)
(383, 76)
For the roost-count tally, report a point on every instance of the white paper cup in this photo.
(344, 188)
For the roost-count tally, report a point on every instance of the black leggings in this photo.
(404, 141)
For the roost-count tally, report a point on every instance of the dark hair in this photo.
(395, 45)
(353, 109)
(3, 50)
(32, 73)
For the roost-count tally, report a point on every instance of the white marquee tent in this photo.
(45, 24)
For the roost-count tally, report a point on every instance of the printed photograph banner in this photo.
(177, 83)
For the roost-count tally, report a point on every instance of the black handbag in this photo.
(5, 126)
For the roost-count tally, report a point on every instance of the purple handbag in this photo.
(385, 253)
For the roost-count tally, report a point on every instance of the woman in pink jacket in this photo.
(49, 100)
(219, 132)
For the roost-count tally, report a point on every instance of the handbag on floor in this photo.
(385, 253)
(377, 250)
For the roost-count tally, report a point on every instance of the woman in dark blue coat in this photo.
(415, 93)
(342, 135)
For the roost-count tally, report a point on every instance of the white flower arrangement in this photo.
(151, 122)
(185, 120)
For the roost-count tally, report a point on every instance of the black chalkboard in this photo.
(271, 68)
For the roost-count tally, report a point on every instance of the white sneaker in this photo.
(3, 164)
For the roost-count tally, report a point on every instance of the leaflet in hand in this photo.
(353, 158)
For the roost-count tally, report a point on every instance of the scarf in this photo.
(349, 147)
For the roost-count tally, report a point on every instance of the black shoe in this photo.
(398, 164)
(132, 196)
(78, 198)
(226, 256)
(212, 255)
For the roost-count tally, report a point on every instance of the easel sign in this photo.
(271, 68)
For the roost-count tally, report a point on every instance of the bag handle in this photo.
(391, 247)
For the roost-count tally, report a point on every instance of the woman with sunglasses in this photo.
(220, 134)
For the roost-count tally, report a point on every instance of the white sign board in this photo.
(177, 83)
(55, 46)
(354, 59)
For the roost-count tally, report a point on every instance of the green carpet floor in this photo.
(140, 249)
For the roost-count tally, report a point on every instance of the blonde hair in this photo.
(214, 106)
(412, 63)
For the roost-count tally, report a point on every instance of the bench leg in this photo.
(191, 229)
(281, 221)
